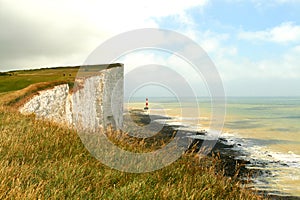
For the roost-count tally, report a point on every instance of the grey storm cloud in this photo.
(42, 40)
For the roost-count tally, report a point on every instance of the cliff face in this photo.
(95, 102)
(49, 104)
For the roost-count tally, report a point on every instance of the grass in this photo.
(42, 160)
(17, 80)
(19, 97)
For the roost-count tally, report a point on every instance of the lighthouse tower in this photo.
(146, 107)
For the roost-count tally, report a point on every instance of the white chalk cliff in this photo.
(94, 103)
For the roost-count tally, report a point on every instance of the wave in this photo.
(280, 167)
(283, 168)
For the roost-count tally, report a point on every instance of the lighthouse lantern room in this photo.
(146, 107)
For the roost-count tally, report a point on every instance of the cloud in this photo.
(279, 1)
(40, 33)
(286, 32)
(281, 67)
(266, 3)
(277, 76)
(167, 66)
(225, 50)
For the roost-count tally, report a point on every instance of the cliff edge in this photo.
(95, 101)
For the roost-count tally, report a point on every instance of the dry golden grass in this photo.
(19, 97)
(41, 160)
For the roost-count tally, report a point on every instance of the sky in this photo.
(254, 44)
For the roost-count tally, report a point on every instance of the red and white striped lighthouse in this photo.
(146, 107)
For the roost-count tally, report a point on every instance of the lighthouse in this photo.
(146, 107)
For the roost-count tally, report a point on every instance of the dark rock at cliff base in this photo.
(228, 156)
(143, 119)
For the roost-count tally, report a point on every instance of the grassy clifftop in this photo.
(16, 80)
(17, 86)
(41, 160)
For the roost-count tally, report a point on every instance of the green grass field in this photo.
(16, 80)
(42, 160)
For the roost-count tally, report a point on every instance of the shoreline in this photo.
(231, 161)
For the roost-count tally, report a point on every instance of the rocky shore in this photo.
(228, 156)
(230, 164)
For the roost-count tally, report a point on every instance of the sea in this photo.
(266, 130)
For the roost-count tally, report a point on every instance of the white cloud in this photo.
(284, 33)
(213, 43)
(233, 66)
(283, 1)
(281, 67)
(262, 4)
(158, 60)
(39, 33)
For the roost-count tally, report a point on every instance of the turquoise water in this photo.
(270, 132)
(267, 130)
(275, 121)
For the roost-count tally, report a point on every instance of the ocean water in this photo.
(265, 129)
